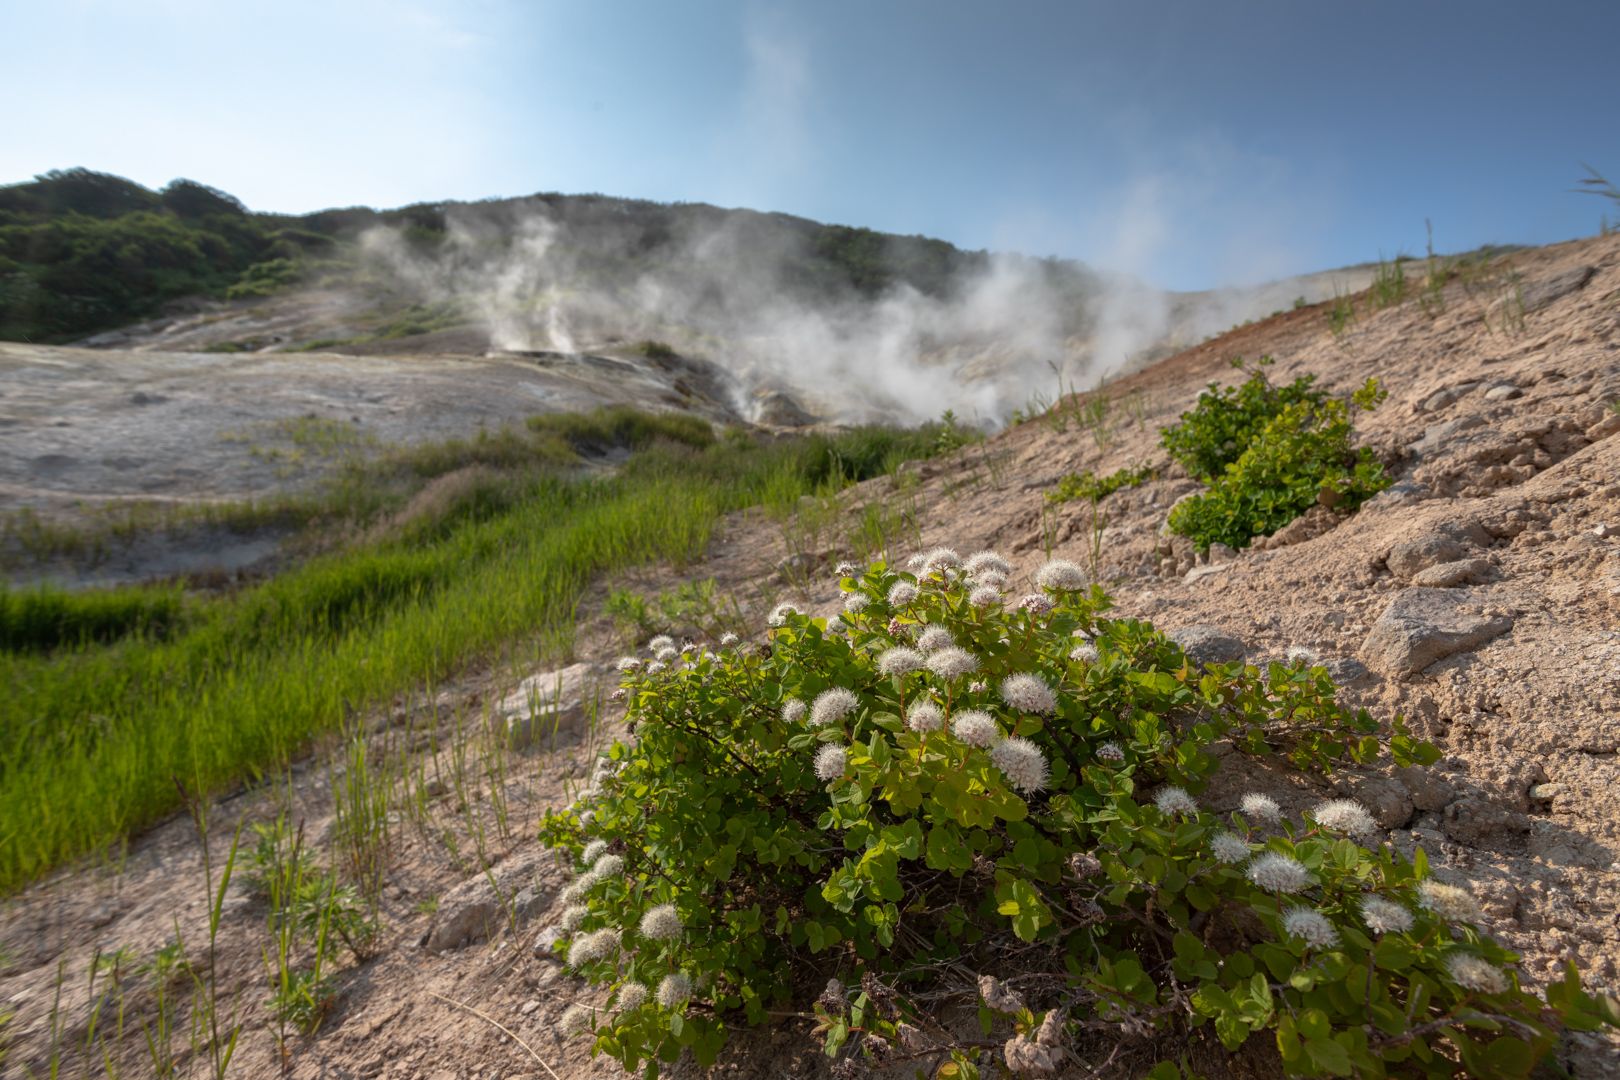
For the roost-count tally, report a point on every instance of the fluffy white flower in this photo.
(985, 596)
(1060, 575)
(1028, 693)
(793, 710)
(1475, 973)
(1262, 808)
(832, 705)
(899, 660)
(846, 569)
(632, 995)
(661, 923)
(1299, 654)
(780, 612)
(667, 654)
(656, 666)
(998, 581)
(1022, 762)
(593, 851)
(981, 562)
(1110, 752)
(1085, 652)
(572, 916)
(902, 593)
(1311, 927)
(674, 990)
(924, 716)
(835, 625)
(727, 640)
(975, 727)
(952, 662)
(1174, 800)
(618, 695)
(1279, 873)
(587, 819)
(856, 602)
(1229, 847)
(1345, 816)
(629, 663)
(1035, 603)
(608, 866)
(941, 559)
(662, 641)
(1448, 901)
(1385, 916)
(689, 649)
(934, 638)
(575, 1020)
(597, 945)
(831, 761)
(916, 561)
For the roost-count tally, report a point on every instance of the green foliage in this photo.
(1214, 433)
(1300, 459)
(743, 848)
(1389, 284)
(93, 736)
(43, 618)
(265, 278)
(1088, 485)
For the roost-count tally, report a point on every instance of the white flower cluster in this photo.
(1174, 800)
(924, 716)
(675, 990)
(1261, 808)
(1279, 873)
(661, 923)
(832, 705)
(1060, 575)
(975, 727)
(1345, 816)
(900, 660)
(1448, 901)
(831, 761)
(1022, 762)
(935, 638)
(597, 945)
(1311, 927)
(1028, 693)
(952, 662)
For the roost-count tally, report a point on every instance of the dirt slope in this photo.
(1504, 525)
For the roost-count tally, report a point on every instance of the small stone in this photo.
(1198, 573)
(1423, 626)
(1407, 559)
(1209, 645)
(528, 1007)
(1220, 553)
(1503, 392)
(1451, 574)
(1481, 823)
(546, 704)
(1605, 531)
(1546, 792)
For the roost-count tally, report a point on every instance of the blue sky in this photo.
(1194, 143)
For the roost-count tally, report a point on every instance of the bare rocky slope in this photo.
(1479, 596)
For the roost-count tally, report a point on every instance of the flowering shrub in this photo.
(930, 785)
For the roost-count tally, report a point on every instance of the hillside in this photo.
(1477, 596)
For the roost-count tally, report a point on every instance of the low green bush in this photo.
(40, 619)
(1268, 454)
(944, 800)
(1088, 485)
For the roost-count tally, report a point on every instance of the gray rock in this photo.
(1450, 575)
(1442, 398)
(1422, 626)
(1481, 823)
(1437, 436)
(1538, 294)
(1220, 553)
(1503, 392)
(1402, 493)
(1407, 559)
(773, 408)
(475, 911)
(544, 704)
(1198, 573)
(1209, 645)
(1386, 799)
(1430, 790)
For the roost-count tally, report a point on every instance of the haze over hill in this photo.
(856, 324)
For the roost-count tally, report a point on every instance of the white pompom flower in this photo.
(1060, 575)
(1450, 902)
(934, 638)
(1385, 916)
(632, 995)
(902, 593)
(952, 663)
(1261, 808)
(900, 660)
(975, 727)
(1279, 873)
(1473, 972)
(1028, 693)
(1229, 848)
(661, 923)
(1175, 800)
(1345, 816)
(832, 705)
(1022, 763)
(831, 761)
(1312, 927)
(983, 562)
(924, 716)
(675, 990)
(793, 710)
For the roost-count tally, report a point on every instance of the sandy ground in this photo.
(1500, 434)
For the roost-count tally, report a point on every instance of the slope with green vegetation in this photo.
(113, 699)
(82, 251)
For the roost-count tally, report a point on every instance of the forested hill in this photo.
(82, 251)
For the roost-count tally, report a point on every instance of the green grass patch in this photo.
(36, 620)
(1088, 485)
(94, 736)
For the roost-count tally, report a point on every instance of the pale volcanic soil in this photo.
(1479, 597)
